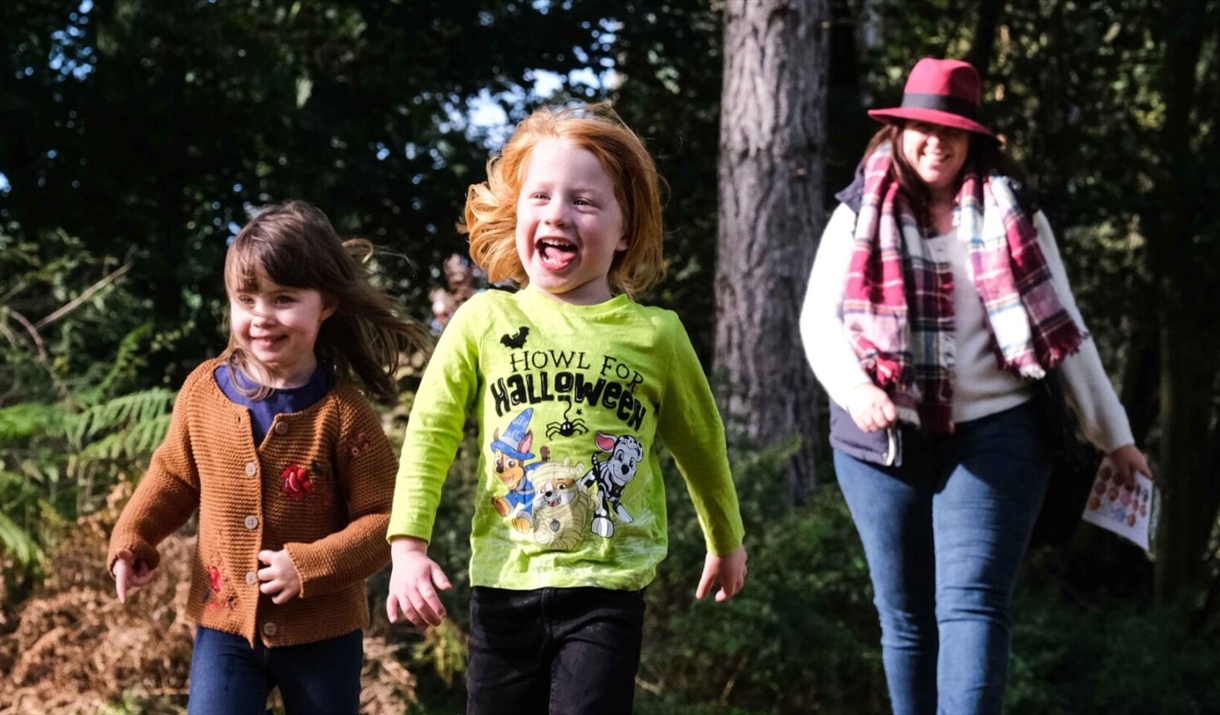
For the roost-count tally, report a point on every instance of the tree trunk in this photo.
(1187, 345)
(772, 143)
(983, 47)
(1141, 377)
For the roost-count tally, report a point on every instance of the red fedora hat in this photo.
(946, 92)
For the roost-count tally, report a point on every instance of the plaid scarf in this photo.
(898, 304)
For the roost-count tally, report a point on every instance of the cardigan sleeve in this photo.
(167, 494)
(365, 466)
(1086, 384)
(829, 353)
(690, 426)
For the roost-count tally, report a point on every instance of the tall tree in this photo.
(1180, 235)
(772, 146)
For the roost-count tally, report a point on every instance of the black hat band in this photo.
(941, 103)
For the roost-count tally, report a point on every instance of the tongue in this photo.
(557, 259)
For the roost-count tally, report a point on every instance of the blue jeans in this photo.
(944, 536)
(228, 677)
(553, 650)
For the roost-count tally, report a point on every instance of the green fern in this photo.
(128, 445)
(26, 420)
(18, 543)
(56, 462)
(138, 420)
(71, 424)
(128, 359)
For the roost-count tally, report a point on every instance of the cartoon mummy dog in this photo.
(611, 477)
(561, 507)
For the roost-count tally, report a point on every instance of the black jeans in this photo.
(553, 650)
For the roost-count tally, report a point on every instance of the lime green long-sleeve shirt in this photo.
(570, 401)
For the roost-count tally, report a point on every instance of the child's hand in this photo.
(413, 583)
(129, 573)
(729, 571)
(280, 579)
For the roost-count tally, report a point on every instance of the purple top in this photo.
(280, 401)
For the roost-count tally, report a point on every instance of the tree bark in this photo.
(1141, 379)
(1187, 345)
(983, 47)
(772, 143)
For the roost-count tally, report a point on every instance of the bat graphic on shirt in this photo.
(515, 340)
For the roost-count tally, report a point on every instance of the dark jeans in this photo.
(944, 536)
(553, 650)
(228, 677)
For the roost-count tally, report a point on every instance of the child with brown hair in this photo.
(286, 462)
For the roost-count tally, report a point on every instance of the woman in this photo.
(935, 303)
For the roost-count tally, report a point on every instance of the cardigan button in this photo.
(281, 428)
(251, 522)
(250, 578)
(269, 628)
(251, 469)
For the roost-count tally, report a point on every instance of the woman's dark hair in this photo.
(293, 244)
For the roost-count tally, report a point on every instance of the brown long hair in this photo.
(986, 154)
(491, 207)
(294, 244)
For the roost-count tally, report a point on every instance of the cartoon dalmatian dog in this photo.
(611, 476)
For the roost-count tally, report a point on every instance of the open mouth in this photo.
(556, 253)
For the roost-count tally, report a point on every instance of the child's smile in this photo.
(278, 326)
(569, 223)
(557, 253)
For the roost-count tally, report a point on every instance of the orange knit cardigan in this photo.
(320, 485)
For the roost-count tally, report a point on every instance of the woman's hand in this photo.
(414, 581)
(729, 571)
(870, 408)
(128, 573)
(1123, 463)
(280, 579)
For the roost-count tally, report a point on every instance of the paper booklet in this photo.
(1127, 511)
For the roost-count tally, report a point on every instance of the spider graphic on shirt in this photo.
(567, 427)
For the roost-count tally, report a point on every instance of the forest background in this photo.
(137, 136)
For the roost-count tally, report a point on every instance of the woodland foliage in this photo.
(138, 136)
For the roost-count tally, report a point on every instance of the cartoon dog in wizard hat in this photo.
(509, 454)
